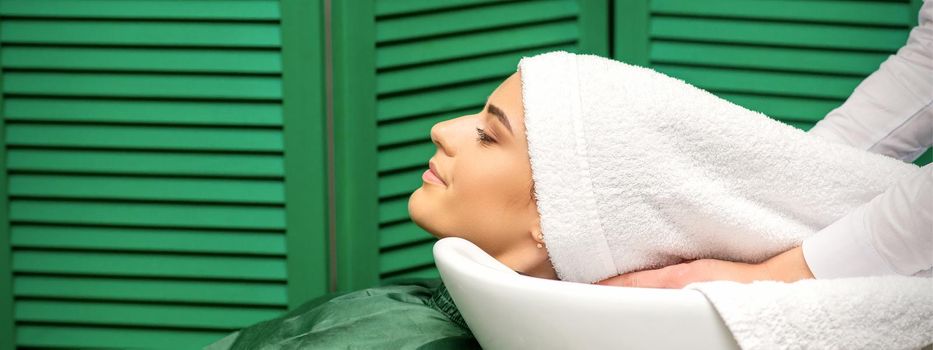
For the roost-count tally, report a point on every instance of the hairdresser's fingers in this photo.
(659, 278)
(680, 275)
(705, 270)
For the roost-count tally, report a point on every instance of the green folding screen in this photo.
(150, 199)
(167, 165)
(792, 60)
(402, 66)
(424, 62)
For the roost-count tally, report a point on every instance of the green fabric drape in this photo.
(409, 314)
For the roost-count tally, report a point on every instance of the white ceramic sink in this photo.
(506, 310)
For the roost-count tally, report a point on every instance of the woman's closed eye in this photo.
(483, 138)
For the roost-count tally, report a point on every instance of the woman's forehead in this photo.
(508, 97)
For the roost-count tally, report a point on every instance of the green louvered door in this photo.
(792, 60)
(144, 153)
(434, 60)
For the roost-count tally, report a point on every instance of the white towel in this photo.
(634, 169)
(882, 312)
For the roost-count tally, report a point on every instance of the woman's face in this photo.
(485, 191)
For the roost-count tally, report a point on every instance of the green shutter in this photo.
(144, 158)
(435, 60)
(792, 60)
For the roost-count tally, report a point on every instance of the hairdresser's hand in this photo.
(789, 266)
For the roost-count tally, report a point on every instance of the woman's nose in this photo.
(451, 134)
(439, 137)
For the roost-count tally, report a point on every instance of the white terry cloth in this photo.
(880, 312)
(634, 169)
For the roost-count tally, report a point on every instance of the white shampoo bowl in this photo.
(506, 310)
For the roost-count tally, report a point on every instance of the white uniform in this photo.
(891, 113)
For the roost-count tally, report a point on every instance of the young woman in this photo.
(634, 170)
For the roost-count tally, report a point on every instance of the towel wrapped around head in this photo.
(634, 169)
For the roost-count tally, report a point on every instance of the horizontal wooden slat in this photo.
(142, 85)
(401, 233)
(141, 33)
(406, 156)
(802, 60)
(131, 239)
(858, 12)
(446, 73)
(146, 163)
(211, 317)
(393, 210)
(401, 183)
(149, 265)
(424, 272)
(784, 34)
(144, 112)
(142, 59)
(396, 7)
(144, 137)
(785, 108)
(121, 337)
(776, 83)
(416, 129)
(406, 28)
(148, 214)
(435, 102)
(140, 188)
(429, 50)
(399, 259)
(138, 9)
(150, 290)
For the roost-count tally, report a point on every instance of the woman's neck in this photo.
(529, 260)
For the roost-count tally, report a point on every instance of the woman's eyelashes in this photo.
(483, 138)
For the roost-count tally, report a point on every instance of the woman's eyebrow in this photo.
(501, 116)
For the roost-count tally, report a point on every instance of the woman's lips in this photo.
(430, 175)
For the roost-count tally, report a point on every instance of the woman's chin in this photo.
(414, 206)
(417, 212)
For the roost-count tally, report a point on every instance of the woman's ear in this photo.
(536, 233)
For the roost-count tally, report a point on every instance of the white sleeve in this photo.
(891, 234)
(891, 111)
